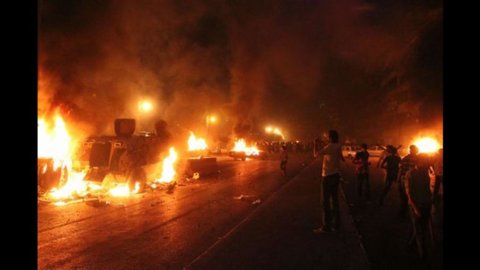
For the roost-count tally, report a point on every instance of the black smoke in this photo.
(307, 66)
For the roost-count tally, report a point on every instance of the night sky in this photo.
(371, 69)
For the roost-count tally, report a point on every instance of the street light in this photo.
(274, 130)
(145, 106)
(210, 119)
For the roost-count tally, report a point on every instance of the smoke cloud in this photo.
(307, 66)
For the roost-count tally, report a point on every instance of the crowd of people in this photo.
(411, 174)
(271, 147)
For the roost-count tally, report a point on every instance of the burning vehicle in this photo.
(126, 157)
(117, 165)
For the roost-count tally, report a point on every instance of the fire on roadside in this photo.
(241, 146)
(168, 168)
(196, 144)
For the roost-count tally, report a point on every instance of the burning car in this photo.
(127, 157)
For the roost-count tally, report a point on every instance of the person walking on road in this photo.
(362, 172)
(284, 160)
(408, 162)
(391, 164)
(332, 154)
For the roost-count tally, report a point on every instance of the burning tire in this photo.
(124, 127)
(48, 177)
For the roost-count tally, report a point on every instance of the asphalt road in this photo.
(160, 229)
(171, 230)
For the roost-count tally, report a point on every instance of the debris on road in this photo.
(256, 202)
(242, 197)
(97, 202)
(155, 203)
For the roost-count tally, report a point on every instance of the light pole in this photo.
(145, 107)
(274, 130)
(210, 119)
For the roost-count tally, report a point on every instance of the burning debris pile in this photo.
(241, 146)
(168, 169)
(242, 151)
(196, 144)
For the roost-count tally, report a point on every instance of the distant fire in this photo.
(168, 169)
(427, 145)
(196, 144)
(241, 146)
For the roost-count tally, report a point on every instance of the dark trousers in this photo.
(403, 197)
(421, 229)
(283, 166)
(389, 179)
(436, 188)
(331, 212)
(363, 180)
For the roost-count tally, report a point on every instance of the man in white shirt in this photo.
(332, 154)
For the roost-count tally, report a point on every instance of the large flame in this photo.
(241, 146)
(427, 145)
(168, 169)
(57, 143)
(74, 186)
(54, 143)
(122, 190)
(195, 144)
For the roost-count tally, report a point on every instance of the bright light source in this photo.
(278, 132)
(145, 106)
(274, 130)
(212, 119)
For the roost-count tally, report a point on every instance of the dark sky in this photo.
(371, 69)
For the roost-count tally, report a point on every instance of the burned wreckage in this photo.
(125, 157)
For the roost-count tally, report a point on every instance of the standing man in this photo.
(362, 172)
(408, 162)
(417, 186)
(384, 154)
(332, 154)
